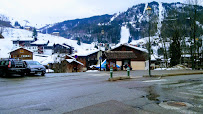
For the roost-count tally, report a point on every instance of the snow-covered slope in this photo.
(10, 34)
(125, 34)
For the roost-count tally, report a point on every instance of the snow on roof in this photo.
(23, 39)
(86, 52)
(51, 44)
(74, 60)
(137, 48)
(65, 46)
(20, 48)
(40, 42)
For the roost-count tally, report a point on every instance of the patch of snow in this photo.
(49, 71)
(155, 80)
(125, 34)
(116, 15)
(161, 17)
(140, 19)
(199, 24)
(92, 71)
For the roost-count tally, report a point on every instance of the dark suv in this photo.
(34, 67)
(12, 66)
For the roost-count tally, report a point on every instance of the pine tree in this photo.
(34, 34)
(78, 41)
(17, 24)
(130, 39)
(175, 49)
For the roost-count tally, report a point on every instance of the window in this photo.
(21, 51)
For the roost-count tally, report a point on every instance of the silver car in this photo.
(34, 67)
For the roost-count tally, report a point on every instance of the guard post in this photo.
(111, 72)
(128, 71)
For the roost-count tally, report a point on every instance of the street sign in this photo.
(100, 58)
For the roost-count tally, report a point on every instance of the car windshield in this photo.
(33, 63)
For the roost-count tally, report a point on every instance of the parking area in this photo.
(76, 92)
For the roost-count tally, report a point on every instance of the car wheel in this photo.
(23, 74)
(42, 74)
(4, 74)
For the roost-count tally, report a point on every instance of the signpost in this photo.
(111, 72)
(128, 71)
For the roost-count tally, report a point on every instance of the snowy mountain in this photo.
(135, 18)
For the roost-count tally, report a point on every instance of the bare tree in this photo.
(193, 6)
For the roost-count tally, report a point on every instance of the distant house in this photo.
(88, 58)
(23, 42)
(55, 33)
(129, 55)
(72, 65)
(63, 48)
(68, 64)
(28, 28)
(22, 53)
(42, 47)
(113, 57)
(1, 36)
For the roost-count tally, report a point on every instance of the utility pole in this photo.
(149, 11)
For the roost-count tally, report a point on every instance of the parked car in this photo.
(34, 67)
(12, 66)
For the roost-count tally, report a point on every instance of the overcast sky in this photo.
(42, 12)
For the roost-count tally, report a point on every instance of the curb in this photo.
(119, 78)
(176, 74)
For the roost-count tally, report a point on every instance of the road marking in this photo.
(155, 80)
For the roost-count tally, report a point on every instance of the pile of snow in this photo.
(49, 71)
(177, 67)
(92, 71)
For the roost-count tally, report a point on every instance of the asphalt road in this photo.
(91, 93)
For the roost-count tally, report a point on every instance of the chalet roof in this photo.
(120, 55)
(40, 42)
(74, 60)
(21, 48)
(23, 39)
(128, 45)
(86, 53)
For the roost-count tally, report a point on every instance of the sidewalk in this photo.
(156, 73)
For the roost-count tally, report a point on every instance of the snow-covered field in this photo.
(6, 44)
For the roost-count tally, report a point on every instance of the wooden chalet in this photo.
(22, 53)
(113, 56)
(63, 48)
(129, 55)
(88, 58)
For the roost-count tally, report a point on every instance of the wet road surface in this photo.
(85, 92)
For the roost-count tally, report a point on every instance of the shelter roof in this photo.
(120, 55)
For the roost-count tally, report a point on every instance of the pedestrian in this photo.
(125, 66)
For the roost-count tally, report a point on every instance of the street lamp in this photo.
(149, 11)
(100, 58)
